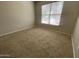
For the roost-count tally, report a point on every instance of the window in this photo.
(51, 13)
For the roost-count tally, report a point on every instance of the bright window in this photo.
(51, 13)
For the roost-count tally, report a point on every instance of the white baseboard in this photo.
(73, 49)
(20, 29)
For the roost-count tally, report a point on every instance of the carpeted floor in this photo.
(36, 42)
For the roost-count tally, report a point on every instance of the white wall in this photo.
(16, 16)
(75, 39)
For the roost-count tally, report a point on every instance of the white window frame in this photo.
(52, 15)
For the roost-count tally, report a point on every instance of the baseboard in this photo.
(19, 29)
(73, 49)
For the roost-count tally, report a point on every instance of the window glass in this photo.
(46, 9)
(45, 19)
(55, 19)
(56, 8)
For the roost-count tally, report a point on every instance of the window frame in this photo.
(49, 15)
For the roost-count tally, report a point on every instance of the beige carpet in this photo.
(36, 42)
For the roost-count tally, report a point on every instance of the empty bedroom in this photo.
(39, 29)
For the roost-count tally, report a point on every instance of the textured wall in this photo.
(15, 16)
(68, 17)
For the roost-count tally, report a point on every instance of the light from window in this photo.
(51, 13)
